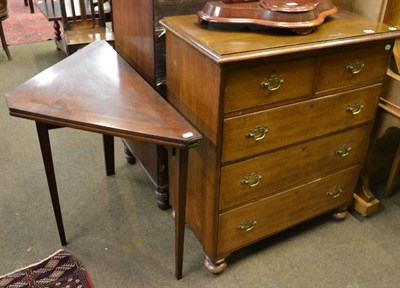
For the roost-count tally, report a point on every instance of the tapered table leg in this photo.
(180, 208)
(108, 145)
(44, 140)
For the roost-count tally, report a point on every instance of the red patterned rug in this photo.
(22, 27)
(60, 270)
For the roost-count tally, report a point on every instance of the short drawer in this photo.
(247, 224)
(253, 86)
(353, 67)
(265, 175)
(262, 131)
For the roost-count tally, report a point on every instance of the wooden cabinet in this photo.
(287, 121)
(140, 40)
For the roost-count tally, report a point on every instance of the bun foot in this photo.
(215, 268)
(340, 214)
(162, 198)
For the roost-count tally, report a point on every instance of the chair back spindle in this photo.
(82, 14)
(84, 21)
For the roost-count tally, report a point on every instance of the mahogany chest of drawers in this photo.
(286, 121)
(140, 40)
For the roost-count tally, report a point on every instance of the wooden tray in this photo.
(301, 16)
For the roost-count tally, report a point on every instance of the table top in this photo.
(97, 90)
(231, 42)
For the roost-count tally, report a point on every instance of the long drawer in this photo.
(268, 216)
(266, 130)
(264, 175)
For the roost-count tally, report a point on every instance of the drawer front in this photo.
(353, 67)
(262, 176)
(255, 133)
(248, 87)
(255, 221)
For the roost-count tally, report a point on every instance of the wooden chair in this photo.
(393, 110)
(83, 22)
(30, 3)
(4, 16)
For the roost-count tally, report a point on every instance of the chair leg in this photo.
(31, 7)
(3, 41)
(393, 173)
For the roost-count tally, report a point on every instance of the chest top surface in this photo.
(227, 43)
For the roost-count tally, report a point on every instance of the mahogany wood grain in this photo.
(333, 71)
(297, 122)
(198, 101)
(54, 94)
(302, 17)
(115, 101)
(283, 210)
(283, 169)
(243, 84)
(232, 44)
(208, 68)
(134, 35)
(140, 39)
(139, 36)
(45, 148)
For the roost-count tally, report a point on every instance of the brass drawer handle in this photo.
(344, 150)
(335, 192)
(355, 108)
(257, 133)
(252, 180)
(355, 66)
(273, 83)
(248, 225)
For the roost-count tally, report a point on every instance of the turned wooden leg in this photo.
(340, 213)
(44, 140)
(60, 45)
(217, 267)
(129, 156)
(162, 198)
(57, 30)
